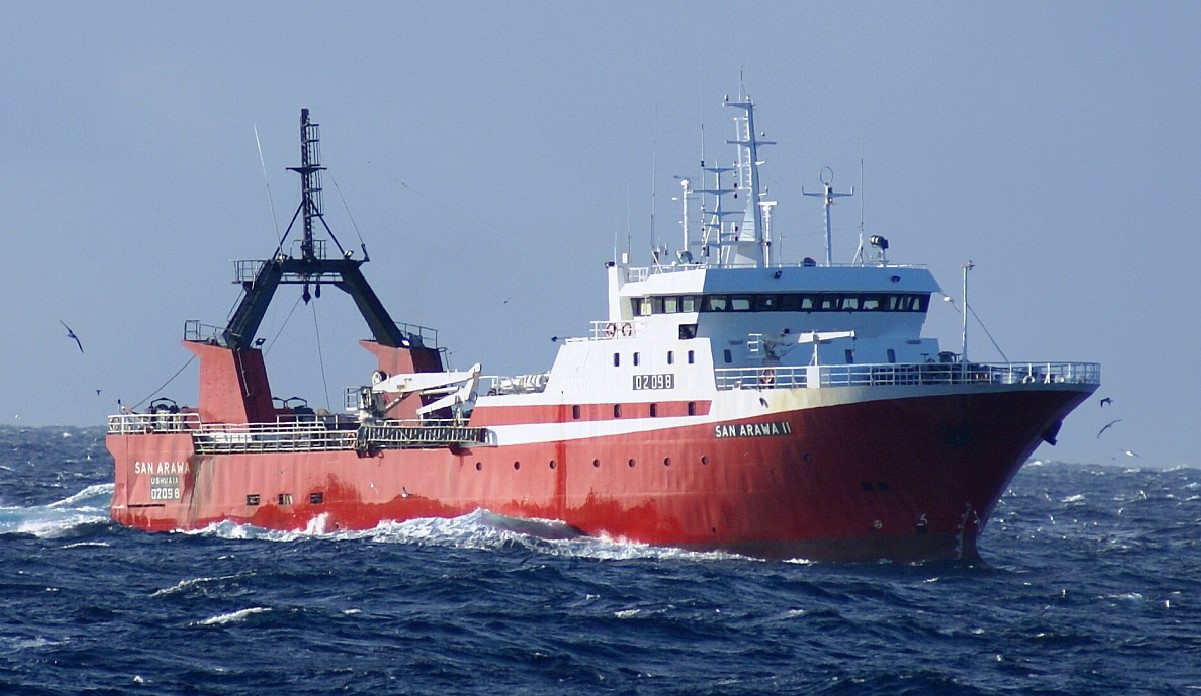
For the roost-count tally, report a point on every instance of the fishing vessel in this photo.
(728, 401)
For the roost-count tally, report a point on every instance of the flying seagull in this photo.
(1106, 401)
(1106, 426)
(71, 334)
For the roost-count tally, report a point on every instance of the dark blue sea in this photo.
(1090, 584)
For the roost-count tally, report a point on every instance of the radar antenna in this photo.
(828, 194)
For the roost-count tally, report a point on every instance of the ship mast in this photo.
(260, 279)
(828, 195)
(751, 243)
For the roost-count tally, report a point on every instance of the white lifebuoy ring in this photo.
(626, 329)
(1028, 379)
(610, 329)
(767, 377)
(378, 376)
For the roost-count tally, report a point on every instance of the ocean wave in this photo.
(183, 585)
(480, 530)
(88, 506)
(232, 616)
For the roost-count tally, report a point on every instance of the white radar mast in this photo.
(828, 194)
(750, 243)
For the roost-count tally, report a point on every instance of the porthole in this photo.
(667, 461)
(704, 461)
(516, 465)
(595, 463)
(479, 466)
(631, 463)
(552, 464)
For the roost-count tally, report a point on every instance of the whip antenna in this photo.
(270, 201)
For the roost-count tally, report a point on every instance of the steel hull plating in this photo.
(905, 479)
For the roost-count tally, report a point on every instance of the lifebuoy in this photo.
(626, 329)
(768, 377)
(378, 376)
(610, 329)
(1028, 379)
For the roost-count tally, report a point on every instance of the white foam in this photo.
(86, 544)
(477, 530)
(238, 615)
(185, 584)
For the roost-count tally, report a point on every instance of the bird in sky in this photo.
(71, 334)
(1130, 453)
(1106, 401)
(1106, 426)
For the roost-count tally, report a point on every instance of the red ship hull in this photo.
(905, 479)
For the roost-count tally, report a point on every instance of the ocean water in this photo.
(1090, 584)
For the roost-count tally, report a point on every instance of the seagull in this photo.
(1105, 401)
(1106, 426)
(71, 334)
(1130, 453)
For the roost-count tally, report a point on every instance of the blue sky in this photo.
(495, 151)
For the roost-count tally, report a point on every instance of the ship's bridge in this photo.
(878, 309)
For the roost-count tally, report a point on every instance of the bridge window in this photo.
(784, 302)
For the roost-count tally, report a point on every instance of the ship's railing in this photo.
(194, 330)
(636, 274)
(522, 384)
(163, 422)
(422, 336)
(908, 374)
(301, 433)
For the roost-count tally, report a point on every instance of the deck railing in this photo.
(301, 433)
(908, 374)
